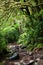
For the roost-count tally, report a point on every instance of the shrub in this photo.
(3, 43)
(23, 39)
(33, 33)
(11, 33)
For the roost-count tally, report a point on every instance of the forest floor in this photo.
(21, 56)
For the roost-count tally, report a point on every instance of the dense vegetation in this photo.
(21, 21)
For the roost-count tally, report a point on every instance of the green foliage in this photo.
(1, 63)
(17, 25)
(3, 42)
(23, 39)
(31, 36)
(8, 34)
(11, 33)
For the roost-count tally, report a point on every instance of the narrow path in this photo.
(25, 57)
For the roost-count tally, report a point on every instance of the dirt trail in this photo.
(25, 57)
